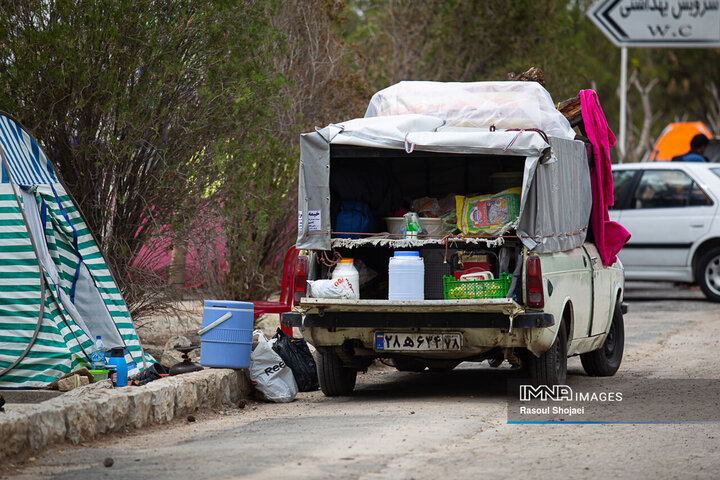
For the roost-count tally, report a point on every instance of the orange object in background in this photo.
(675, 140)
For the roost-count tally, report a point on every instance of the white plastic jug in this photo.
(407, 276)
(346, 269)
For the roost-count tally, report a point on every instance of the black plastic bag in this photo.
(150, 374)
(296, 355)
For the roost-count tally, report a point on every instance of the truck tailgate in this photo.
(505, 306)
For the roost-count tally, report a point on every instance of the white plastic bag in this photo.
(335, 288)
(269, 373)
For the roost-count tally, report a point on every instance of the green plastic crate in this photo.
(496, 288)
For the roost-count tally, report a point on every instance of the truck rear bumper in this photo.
(416, 320)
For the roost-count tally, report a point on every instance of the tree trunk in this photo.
(176, 272)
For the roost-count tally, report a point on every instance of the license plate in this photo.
(418, 342)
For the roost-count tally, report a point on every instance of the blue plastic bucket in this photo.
(228, 344)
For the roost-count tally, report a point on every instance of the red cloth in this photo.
(609, 236)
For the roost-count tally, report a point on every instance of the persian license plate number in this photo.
(418, 342)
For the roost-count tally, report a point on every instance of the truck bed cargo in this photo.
(548, 296)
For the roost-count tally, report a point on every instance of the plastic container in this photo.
(346, 269)
(97, 357)
(497, 288)
(434, 226)
(407, 276)
(227, 343)
(117, 358)
(99, 375)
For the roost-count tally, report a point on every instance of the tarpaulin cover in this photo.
(555, 202)
(456, 118)
(475, 104)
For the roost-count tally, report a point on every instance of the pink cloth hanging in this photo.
(609, 236)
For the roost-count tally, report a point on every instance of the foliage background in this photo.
(181, 118)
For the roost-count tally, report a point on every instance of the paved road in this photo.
(428, 425)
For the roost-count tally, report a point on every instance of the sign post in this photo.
(655, 24)
(623, 103)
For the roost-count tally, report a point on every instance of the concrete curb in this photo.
(96, 409)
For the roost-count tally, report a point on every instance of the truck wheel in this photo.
(605, 361)
(550, 368)
(708, 274)
(335, 379)
(408, 365)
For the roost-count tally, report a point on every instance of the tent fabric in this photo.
(59, 345)
(27, 163)
(562, 226)
(675, 140)
(50, 257)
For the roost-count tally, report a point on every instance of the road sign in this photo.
(659, 23)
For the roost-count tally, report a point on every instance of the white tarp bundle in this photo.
(475, 104)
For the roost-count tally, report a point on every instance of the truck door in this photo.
(667, 213)
(603, 298)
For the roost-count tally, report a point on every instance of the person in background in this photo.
(697, 148)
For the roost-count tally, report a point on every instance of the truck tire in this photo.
(550, 368)
(335, 379)
(708, 274)
(605, 361)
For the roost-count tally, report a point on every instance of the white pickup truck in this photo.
(561, 302)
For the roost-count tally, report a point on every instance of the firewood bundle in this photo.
(570, 108)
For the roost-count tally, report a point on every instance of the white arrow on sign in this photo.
(659, 23)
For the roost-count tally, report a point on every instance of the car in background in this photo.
(671, 211)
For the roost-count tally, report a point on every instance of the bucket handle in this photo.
(215, 323)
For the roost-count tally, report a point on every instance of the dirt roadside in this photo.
(403, 425)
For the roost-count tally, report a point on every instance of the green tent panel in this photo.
(56, 291)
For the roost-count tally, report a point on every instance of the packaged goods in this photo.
(335, 288)
(426, 207)
(487, 213)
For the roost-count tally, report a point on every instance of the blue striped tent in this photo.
(56, 291)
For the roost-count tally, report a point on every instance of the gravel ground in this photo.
(427, 425)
